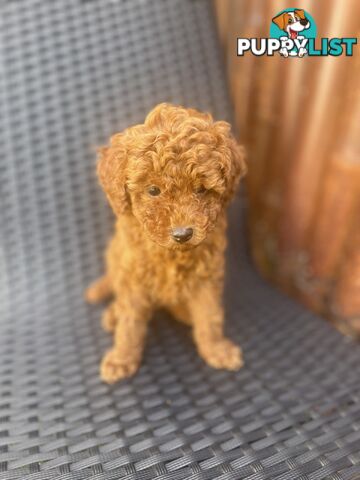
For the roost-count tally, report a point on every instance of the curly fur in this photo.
(196, 164)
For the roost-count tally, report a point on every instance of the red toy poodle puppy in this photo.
(168, 181)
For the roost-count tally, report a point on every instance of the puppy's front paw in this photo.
(222, 354)
(114, 366)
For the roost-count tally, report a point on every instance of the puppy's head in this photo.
(175, 173)
(292, 22)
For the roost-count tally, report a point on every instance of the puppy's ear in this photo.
(301, 13)
(111, 170)
(232, 155)
(280, 20)
(238, 168)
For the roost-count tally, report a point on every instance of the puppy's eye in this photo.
(200, 190)
(154, 191)
(290, 20)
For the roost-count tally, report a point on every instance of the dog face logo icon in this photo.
(292, 22)
(293, 27)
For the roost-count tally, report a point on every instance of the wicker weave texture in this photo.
(72, 73)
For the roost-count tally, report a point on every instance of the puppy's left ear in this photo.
(238, 168)
(301, 14)
(232, 159)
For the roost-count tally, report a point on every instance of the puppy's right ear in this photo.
(280, 21)
(111, 170)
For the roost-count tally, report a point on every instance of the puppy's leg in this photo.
(124, 358)
(99, 290)
(108, 319)
(208, 318)
(181, 313)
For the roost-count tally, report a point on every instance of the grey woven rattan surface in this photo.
(71, 74)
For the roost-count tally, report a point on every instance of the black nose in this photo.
(182, 234)
(304, 21)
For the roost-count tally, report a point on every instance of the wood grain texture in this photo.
(300, 122)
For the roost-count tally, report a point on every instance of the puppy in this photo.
(292, 23)
(168, 181)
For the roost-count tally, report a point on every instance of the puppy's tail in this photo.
(99, 291)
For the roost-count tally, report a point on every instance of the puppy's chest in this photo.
(175, 271)
(175, 276)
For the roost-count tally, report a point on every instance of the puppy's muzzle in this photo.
(182, 234)
(304, 22)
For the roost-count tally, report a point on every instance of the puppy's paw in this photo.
(98, 291)
(109, 320)
(302, 52)
(284, 52)
(114, 367)
(222, 354)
